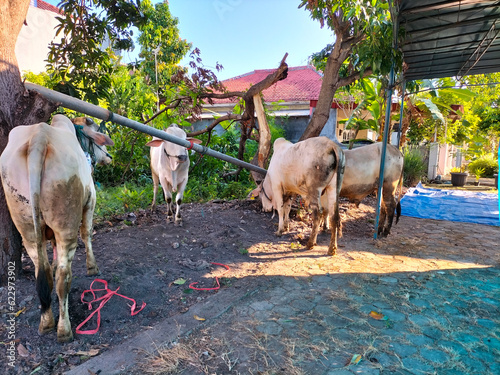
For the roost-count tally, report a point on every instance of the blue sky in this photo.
(245, 35)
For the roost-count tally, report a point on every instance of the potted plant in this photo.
(458, 176)
(479, 172)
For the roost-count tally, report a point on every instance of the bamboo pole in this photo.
(103, 114)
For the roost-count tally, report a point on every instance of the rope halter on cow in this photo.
(182, 158)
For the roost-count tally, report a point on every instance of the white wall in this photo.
(32, 46)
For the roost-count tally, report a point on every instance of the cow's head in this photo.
(174, 153)
(92, 141)
(265, 193)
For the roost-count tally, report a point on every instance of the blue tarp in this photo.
(451, 205)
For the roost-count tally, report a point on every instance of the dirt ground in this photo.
(156, 262)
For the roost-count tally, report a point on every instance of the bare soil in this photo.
(152, 261)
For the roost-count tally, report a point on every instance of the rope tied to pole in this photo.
(102, 125)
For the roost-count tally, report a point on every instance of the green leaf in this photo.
(180, 281)
(434, 110)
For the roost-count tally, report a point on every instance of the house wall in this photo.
(442, 157)
(32, 46)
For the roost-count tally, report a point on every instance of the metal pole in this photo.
(384, 148)
(95, 111)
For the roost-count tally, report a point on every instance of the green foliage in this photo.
(79, 61)
(42, 79)
(373, 102)
(211, 178)
(160, 41)
(435, 113)
(118, 200)
(371, 19)
(131, 97)
(486, 166)
(414, 167)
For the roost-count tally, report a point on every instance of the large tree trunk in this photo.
(328, 89)
(342, 49)
(17, 107)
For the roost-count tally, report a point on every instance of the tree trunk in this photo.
(342, 49)
(262, 154)
(325, 100)
(17, 107)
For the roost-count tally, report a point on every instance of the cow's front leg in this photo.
(86, 234)
(156, 181)
(167, 192)
(65, 254)
(178, 201)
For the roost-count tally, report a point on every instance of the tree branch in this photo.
(229, 116)
(353, 77)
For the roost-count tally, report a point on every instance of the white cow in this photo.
(50, 193)
(361, 178)
(308, 168)
(170, 167)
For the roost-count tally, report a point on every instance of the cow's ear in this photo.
(194, 140)
(102, 139)
(99, 138)
(255, 192)
(155, 143)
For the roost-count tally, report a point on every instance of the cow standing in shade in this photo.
(170, 168)
(50, 193)
(307, 168)
(361, 178)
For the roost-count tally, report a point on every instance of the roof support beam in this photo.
(481, 49)
(444, 5)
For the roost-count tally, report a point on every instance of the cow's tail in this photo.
(340, 178)
(400, 194)
(36, 153)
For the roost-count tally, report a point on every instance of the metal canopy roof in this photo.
(449, 38)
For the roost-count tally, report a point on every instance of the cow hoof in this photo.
(332, 252)
(93, 271)
(278, 233)
(65, 337)
(45, 330)
(310, 245)
(47, 323)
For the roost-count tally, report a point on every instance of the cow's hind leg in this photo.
(382, 219)
(44, 285)
(65, 253)
(287, 206)
(86, 234)
(317, 216)
(390, 209)
(336, 231)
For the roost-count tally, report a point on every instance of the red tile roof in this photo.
(302, 84)
(46, 6)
